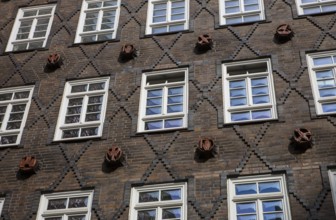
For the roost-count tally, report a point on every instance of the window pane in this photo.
(244, 189)
(176, 27)
(94, 108)
(272, 206)
(327, 92)
(18, 108)
(104, 37)
(269, 187)
(173, 123)
(78, 217)
(322, 61)
(78, 202)
(54, 218)
(175, 99)
(178, 11)
(159, 19)
(45, 11)
(274, 216)
(158, 30)
(177, 4)
(147, 215)
(110, 3)
(96, 86)
(234, 20)
(261, 114)
(241, 116)
(259, 82)
(18, 47)
(231, 3)
(94, 5)
(326, 8)
(92, 117)
(159, 13)
(13, 125)
(149, 196)
(95, 99)
(237, 84)
(175, 91)
(232, 10)
(89, 38)
(72, 119)
(308, 1)
(324, 74)
(75, 102)
(70, 133)
(35, 45)
(177, 17)
(8, 139)
(246, 208)
(330, 107)
(251, 18)
(312, 10)
(6, 96)
(153, 111)
(29, 13)
(3, 109)
(174, 194)
(79, 88)
(174, 108)
(56, 204)
(155, 101)
(238, 102)
(89, 132)
(249, 2)
(172, 213)
(154, 93)
(21, 95)
(15, 116)
(251, 8)
(152, 125)
(160, 6)
(237, 92)
(261, 99)
(247, 217)
(260, 90)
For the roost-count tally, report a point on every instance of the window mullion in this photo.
(169, 10)
(99, 20)
(249, 91)
(84, 109)
(6, 117)
(241, 4)
(259, 210)
(165, 100)
(32, 29)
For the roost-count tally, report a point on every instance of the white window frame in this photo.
(319, 101)
(44, 213)
(61, 125)
(150, 24)
(2, 201)
(233, 199)
(142, 119)
(9, 103)
(19, 18)
(241, 14)
(250, 106)
(135, 205)
(80, 28)
(332, 179)
(320, 3)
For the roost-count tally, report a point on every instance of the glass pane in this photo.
(74, 110)
(251, 18)
(152, 125)
(269, 187)
(174, 108)
(89, 28)
(312, 10)
(259, 82)
(92, 117)
(110, 3)
(70, 133)
(78, 202)
(173, 123)
(89, 132)
(94, 5)
(45, 11)
(234, 20)
(18, 47)
(261, 114)
(13, 125)
(154, 93)
(274, 216)
(249, 2)
(231, 3)
(89, 38)
(159, 19)
(22, 36)
(72, 119)
(322, 61)
(95, 99)
(6, 96)
(158, 30)
(247, 217)
(174, 194)
(175, 99)
(19, 108)
(104, 37)
(237, 92)
(149, 196)
(330, 107)
(147, 215)
(237, 84)
(175, 91)
(308, 1)
(21, 95)
(77, 217)
(172, 213)
(326, 83)
(261, 99)
(35, 45)
(327, 92)
(155, 101)
(230, 10)
(324, 74)
(3, 109)
(238, 102)
(159, 13)
(106, 26)
(272, 206)
(29, 13)
(177, 17)
(251, 8)
(75, 102)
(54, 218)
(246, 208)
(15, 116)
(177, 4)
(8, 139)
(96, 86)
(241, 116)
(176, 27)
(39, 34)
(56, 204)
(94, 108)
(153, 110)
(160, 6)
(260, 90)
(326, 8)
(79, 88)
(244, 189)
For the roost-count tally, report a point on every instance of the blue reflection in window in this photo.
(247, 217)
(146, 215)
(330, 107)
(174, 194)
(326, 83)
(261, 114)
(159, 30)
(175, 99)
(324, 74)
(238, 102)
(154, 93)
(237, 84)
(259, 82)
(322, 61)
(261, 99)
(251, 18)
(237, 92)
(174, 108)
(173, 213)
(152, 125)
(153, 111)
(176, 27)
(241, 116)
(260, 90)
(246, 208)
(313, 10)
(272, 206)
(244, 189)
(327, 92)
(156, 101)
(175, 91)
(173, 123)
(326, 8)
(269, 187)
(274, 216)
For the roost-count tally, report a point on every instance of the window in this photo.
(83, 109)
(332, 179)
(167, 16)
(241, 11)
(98, 20)
(65, 206)
(14, 107)
(2, 201)
(322, 72)
(306, 7)
(31, 28)
(260, 197)
(163, 101)
(166, 201)
(248, 91)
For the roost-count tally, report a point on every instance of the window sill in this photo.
(243, 23)
(167, 33)
(139, 133)
(227, 124)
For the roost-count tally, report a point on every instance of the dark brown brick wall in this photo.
(243, 149)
